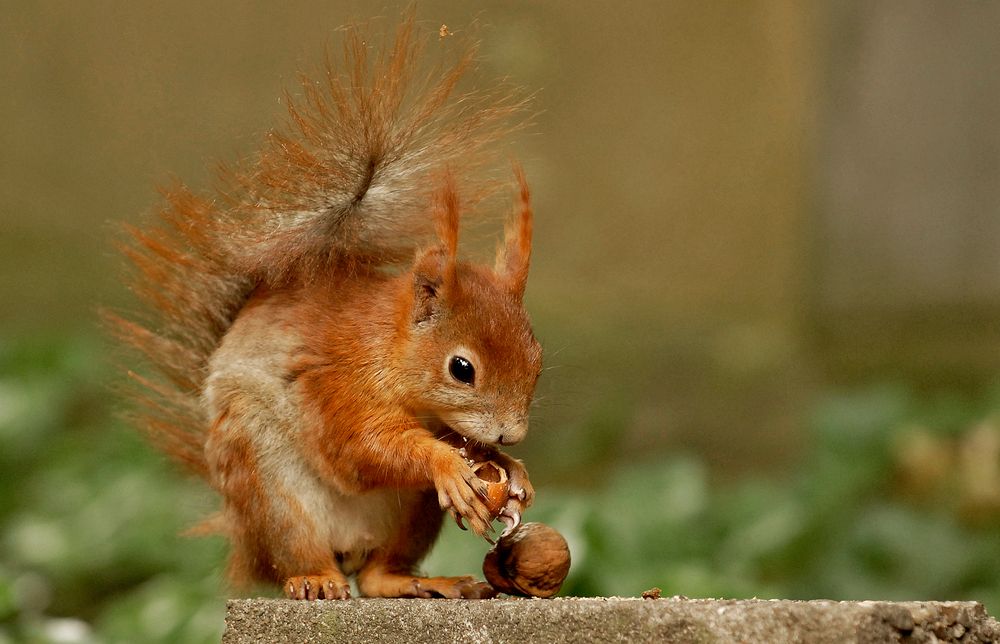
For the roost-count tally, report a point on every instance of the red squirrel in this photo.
(318, 352)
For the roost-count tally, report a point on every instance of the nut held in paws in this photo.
(497, 485)
(533, 561)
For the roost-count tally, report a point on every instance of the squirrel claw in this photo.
(511, 519)
(458, 519)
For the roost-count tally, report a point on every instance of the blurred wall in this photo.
(676, 139)
(908, 191)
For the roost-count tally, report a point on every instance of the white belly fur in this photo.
(352, 525)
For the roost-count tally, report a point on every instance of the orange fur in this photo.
(514, 257)
(304, 324)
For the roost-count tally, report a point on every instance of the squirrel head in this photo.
(470, 343)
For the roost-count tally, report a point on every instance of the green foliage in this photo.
(90, 517)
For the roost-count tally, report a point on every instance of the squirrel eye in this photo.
(462, 370)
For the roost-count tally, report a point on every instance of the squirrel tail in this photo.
(348, 177)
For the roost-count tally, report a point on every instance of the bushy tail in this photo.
(348, 176)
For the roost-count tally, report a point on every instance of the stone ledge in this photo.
(612, 619)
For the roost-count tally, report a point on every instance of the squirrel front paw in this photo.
(462, 493)
(522, 493)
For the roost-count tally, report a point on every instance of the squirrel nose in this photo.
(512, 435)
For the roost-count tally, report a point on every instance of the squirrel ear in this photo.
(514, 257)
(434, 269)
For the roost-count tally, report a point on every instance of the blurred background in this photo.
(765, 275)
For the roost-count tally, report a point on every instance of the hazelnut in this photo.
(497, 485)
(533, 560)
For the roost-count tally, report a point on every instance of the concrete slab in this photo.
(610, 619)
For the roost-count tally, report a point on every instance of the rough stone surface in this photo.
(611, 619)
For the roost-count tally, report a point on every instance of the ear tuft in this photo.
(446, 214)
(514, 257)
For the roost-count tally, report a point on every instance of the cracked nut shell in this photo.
(532, 561)
(497, 485)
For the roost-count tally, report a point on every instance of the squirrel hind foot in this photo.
(455, 588)
(386, 584)
(314, 587)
